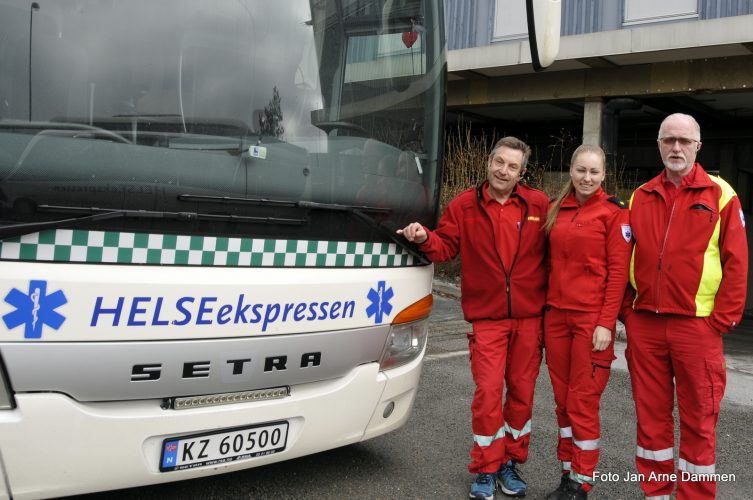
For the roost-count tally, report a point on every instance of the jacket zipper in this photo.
(509, 296)
(661, 255)
(508, 288)
(572, 221)
(515, 259)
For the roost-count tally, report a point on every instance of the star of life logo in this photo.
(34, 309)
(627, 233)
(380, 302)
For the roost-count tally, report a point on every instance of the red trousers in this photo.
(503, 352)
(668, 353)
(579, 376)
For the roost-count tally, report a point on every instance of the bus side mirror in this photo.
(544, 17)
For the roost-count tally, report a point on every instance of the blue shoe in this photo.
(483, 487)
(510, 482)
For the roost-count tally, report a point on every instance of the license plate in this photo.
(227, 445)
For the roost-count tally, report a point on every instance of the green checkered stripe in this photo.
(101, 247)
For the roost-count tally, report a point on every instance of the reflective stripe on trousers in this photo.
(506, 429)
(488, 440)
(696, 469)
(591, 444)
(505, 359)
(656, 455)
(675, 361)
(517, 434)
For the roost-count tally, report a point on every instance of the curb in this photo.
(445, 288)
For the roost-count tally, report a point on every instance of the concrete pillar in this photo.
(593, 109)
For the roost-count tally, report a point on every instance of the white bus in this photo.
(198, 266)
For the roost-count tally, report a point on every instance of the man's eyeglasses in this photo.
(684, 141)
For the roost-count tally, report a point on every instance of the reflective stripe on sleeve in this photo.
(566, 465)
(657, 455)
(660, 497)
(566, 432)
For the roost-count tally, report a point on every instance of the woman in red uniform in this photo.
(589, 254)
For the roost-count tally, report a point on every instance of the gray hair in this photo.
(513, 143)
(680, 115)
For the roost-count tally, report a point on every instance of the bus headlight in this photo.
(404, 344)
(408, 334)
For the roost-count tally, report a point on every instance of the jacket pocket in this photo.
(471, 344)
(596, 367)
(600, 371)
(701, 211)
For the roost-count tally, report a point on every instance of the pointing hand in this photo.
(414, 232)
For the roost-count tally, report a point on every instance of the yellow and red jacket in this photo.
(690, 256)
(589, 255)
(489, 289)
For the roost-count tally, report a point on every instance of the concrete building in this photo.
(623, 66)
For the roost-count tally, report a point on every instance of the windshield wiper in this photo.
(63, 129)
(97, 214)
(229, 200)
(8, 231)
(358, 211)
(359, 214)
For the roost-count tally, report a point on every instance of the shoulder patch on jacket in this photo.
(617, 201)
(627, 232)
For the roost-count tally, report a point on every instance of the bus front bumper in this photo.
(51, 445)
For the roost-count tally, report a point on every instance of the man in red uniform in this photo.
(689, 275)
(496, 229)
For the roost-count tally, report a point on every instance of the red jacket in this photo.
(589, 254)
(489, 290)
(690, 257)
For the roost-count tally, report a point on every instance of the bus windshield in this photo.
(220, 118)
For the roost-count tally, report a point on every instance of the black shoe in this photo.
(557, 494)
(574, 491)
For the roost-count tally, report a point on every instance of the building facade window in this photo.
(650, 11)
(510, 20)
